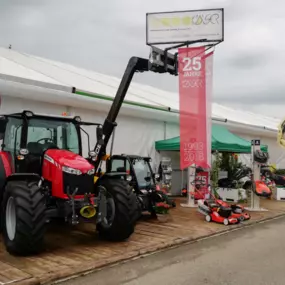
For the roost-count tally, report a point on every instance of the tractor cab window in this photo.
(12, 137)
(143, 173)
(120, 165)
(43, 134)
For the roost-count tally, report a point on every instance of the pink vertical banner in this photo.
(209, 92)
(193, 111)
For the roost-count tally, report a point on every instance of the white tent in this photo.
(148, 114)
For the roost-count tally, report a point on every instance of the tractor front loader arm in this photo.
(160, 61)
(135, 64)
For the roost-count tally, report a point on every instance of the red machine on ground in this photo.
(43, 176)
(216, 213)
(217, 210)
(237, 210)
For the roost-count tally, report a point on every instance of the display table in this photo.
(280, 193)
(232, 195)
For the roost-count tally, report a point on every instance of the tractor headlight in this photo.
(129, 178)
(23, 151)
(91, 171)
(71, 170)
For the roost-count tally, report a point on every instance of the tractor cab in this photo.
(26, 137)
(137, 169)
(138, 172)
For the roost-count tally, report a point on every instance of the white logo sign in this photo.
(179, 27)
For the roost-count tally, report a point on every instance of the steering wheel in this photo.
(45, 140)
(48, 143)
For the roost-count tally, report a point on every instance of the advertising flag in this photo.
(209, 92)
(193, 107)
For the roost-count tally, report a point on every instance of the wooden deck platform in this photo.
(72, 251)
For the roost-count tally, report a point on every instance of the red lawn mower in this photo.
(216, 213)
(221, 212)
(237, 210)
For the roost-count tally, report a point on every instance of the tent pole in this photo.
(255, 200)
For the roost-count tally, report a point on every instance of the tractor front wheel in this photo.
(23, 218)
(121, 210)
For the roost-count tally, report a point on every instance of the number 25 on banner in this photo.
(192, 63)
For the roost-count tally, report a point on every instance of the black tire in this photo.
(124, 199)
(30, 213)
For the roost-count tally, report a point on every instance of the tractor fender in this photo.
(3, 174)
(23, 176)
(114, 174)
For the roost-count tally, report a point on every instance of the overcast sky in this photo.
(102, 35)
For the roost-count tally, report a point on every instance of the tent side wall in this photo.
(153, 127)
(171, 130)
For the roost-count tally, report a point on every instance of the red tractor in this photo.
(44, 176)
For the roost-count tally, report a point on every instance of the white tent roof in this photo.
(26, 66)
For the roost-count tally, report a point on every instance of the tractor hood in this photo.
(68, 159)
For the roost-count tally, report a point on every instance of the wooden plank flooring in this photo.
(76, 250)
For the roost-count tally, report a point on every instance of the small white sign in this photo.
(185, 26)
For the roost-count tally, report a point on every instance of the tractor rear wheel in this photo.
(23, 218)
(121, 208)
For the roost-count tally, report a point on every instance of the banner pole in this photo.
(255, 200)
(191, 175)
